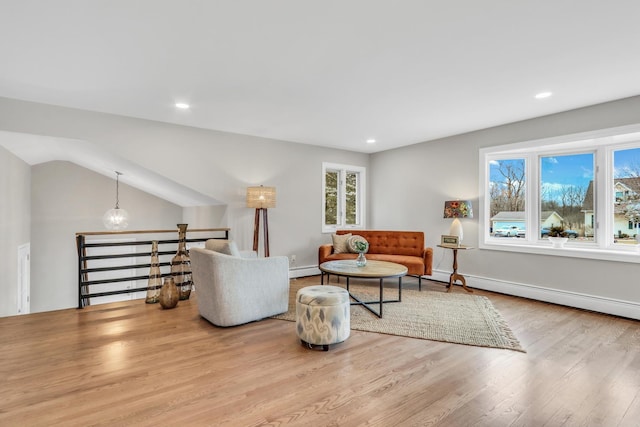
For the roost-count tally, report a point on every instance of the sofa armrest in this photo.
(323, 252)
(427, 256)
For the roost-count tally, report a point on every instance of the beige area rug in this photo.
(449, 317)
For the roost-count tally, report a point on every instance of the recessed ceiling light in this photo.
(182, 105)
(543, 95)
(371, 141)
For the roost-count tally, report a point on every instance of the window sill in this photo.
(327, 230)
(631, 254)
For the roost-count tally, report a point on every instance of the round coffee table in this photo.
(372, 270)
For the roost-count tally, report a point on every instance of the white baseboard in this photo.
(572, 299)
(605, 305)
(304, 271)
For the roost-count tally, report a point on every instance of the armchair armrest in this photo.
(249, 254)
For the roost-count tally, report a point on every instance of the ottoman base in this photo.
(323, 347)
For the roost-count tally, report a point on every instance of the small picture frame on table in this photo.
(449, 240)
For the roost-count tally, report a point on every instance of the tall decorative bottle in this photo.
(181, 265)
(155, 277)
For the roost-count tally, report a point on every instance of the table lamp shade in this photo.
(261, 197)
(457, 209)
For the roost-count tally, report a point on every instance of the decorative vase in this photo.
(155, 277)
(169, 294)
(181, 265)
(361, 261)
(558, 242)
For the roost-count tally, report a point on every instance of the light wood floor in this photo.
(135, 364)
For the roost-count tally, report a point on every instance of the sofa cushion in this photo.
(227, 247)
(340, 243)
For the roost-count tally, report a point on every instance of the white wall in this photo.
(411, 184)
(217, 164)
(15, 211)
(407, 188)
(66, 199)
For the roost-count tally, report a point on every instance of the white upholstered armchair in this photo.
(236, 289)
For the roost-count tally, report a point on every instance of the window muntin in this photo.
(343, 197)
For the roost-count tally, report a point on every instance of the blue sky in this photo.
(577, 169)
(627, 163)
(574, 169)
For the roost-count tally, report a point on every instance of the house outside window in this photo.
(343, 196)
(588, 184)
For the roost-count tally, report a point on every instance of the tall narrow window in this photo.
(343, 195)
(507, 198)
(626, 203)
(331, 181)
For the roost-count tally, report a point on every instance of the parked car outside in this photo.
(544, 232)
(506, 232)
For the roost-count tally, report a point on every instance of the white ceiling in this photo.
(324, 72)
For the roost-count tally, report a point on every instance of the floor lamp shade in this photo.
(261, 198)
(457, 209)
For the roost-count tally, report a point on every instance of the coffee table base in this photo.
(365, 304)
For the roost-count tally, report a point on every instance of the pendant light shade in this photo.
(116, 219)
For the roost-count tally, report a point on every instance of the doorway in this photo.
(24, 279)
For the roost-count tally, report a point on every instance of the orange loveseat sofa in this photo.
(402, 247)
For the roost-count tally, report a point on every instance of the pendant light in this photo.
(116, 219)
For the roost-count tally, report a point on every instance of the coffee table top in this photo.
(376, 269)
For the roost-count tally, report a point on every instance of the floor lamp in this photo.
(261, 198)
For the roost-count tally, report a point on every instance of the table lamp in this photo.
(457, 209)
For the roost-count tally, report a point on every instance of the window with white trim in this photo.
(343, 196)
(586, 185)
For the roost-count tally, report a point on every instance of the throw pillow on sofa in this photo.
(351, 243)
(340, 243)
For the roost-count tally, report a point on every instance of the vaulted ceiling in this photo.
(333, 72)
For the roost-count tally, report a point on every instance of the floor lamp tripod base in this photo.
(256, 229)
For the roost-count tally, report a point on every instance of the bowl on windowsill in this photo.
(558, 242)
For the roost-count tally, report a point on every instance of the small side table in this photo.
(455, 276)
